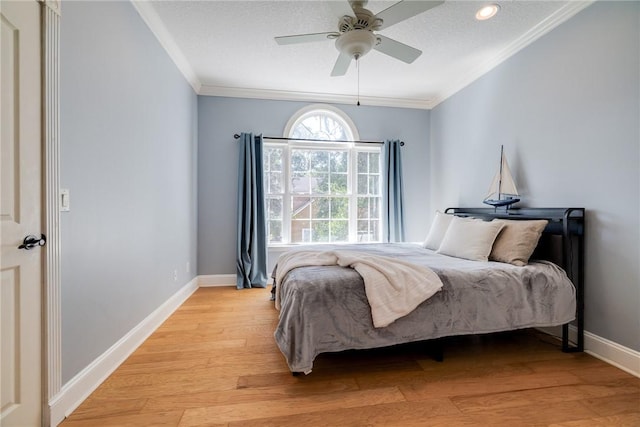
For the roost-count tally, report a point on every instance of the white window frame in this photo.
(353, 149)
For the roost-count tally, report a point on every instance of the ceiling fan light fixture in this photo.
(487, 12)
(356, 43)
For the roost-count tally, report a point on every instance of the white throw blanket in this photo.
(394, 288)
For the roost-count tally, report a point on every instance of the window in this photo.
(322, 191)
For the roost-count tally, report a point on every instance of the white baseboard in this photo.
(608, 351)
(216, 280)
(613, 353)
(73, 393)
(213, 280)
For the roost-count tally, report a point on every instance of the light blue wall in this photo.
(128, 156)
(219, 118)
(567, 109)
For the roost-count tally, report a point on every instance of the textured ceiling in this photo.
(228, 47)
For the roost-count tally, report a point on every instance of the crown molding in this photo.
(279, 95)
(560, 16)
(153, 21)
(157, 27)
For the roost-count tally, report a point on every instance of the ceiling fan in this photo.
(355, 36)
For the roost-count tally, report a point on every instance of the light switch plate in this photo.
(65, 201)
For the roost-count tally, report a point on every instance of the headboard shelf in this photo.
(572, 218)
(569, 225)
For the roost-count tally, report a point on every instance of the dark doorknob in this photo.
(31, 242)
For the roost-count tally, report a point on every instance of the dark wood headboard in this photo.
(562, 221)
(566, 224)
(562, 242)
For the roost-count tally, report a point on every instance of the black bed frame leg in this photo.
(579, 347)
(565, 338)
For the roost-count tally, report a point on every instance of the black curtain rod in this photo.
(236, 136)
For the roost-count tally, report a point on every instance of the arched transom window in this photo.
(320, 185)
(322, 123)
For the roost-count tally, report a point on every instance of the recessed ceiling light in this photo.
(487, 12)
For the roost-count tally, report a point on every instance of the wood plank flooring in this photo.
(214, 362)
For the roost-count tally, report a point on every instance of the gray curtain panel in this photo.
(393, 192)
(252, 247)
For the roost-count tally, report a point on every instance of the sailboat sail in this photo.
(502, 185)
(506, 186)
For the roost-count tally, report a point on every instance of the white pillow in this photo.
(470, 239)
(437, 231)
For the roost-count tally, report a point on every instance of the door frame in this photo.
(51, 358)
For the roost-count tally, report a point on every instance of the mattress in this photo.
(325, 309)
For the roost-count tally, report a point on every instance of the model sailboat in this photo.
(503, 191)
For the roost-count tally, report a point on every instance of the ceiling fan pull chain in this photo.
(358, 68)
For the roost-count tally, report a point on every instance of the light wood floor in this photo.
(214, 363)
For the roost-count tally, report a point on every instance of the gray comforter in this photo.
(325, 309)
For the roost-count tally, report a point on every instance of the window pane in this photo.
(299, 160)
(363, 231)
(274, 208)
(274, 183)
(300, 183)
(339, 231)
(363, 184)
(340, 207)
(320, 231)
(362, 163)
(275, 159)
(363, 207)
(320, 208)
(300, 231)
(339, 161)
(373, 184)
(374, 228)
(339, 183)
(309, 127)
(374, 162)
(302, 132)
(319, 183)
(319, 161)
(320, 126)
(374, 207)
(300, 207)
(275, 231)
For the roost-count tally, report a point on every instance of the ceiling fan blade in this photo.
(397, 50)
(341, 8)
(342, 65)
(304, 38)
(404, 10)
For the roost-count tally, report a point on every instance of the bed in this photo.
(324, 308)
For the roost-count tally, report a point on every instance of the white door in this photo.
(20, 215)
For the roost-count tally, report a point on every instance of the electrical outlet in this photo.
(188, 267)
(175, 275)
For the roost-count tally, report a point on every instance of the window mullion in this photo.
(353, 195)
(286, 198)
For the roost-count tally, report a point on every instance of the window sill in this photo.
(282, 247)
